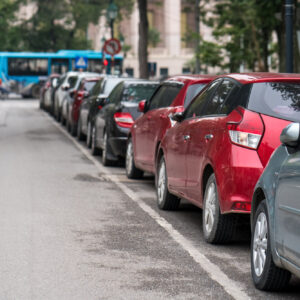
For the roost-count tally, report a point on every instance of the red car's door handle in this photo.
(209, 137)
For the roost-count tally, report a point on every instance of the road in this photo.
(73, 229)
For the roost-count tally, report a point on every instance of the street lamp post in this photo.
(289, 6)
(112, 13)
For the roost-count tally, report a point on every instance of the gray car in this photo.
(275, 216)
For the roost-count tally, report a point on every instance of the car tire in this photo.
(265, 274)
(73, 128)
(132, 171)
(217, 228)
(165, 200)
(63, 121)
(105, 151)
(95, 150)
(68, 125)
(89, 135)
(80, 135)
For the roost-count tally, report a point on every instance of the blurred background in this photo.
(159, 38)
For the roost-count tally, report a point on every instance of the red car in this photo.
(217, 150)
(173, 95)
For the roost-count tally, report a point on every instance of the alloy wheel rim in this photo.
(210, 208)
(129, 158)
(161, 183)
(88, 138)
(78, 128)
(260, 243)
(104, 146)
(93, 138)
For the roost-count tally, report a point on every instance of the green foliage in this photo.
(210, 54)
(244, 29)
(9, 39)
(62, 24)
(153, 37)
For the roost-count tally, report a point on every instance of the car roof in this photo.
(201, 78)
(94, 78)
(245, 78)
(139, 81)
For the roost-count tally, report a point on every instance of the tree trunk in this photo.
(265, 41)
(143, 39)
(296, 47)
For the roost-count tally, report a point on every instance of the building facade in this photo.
(171, 41)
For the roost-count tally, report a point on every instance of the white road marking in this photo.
(232, 287)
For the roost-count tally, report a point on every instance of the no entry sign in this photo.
(112, 47)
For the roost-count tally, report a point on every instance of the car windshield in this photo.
(138, 92)
(72, 81)
(276, 99)
(88, 85)
(109, 85)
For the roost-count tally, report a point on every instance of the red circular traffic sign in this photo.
(112, 47)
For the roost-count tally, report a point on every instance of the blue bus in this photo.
(32, 67)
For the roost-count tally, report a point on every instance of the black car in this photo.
(113, 122)
(90, 106)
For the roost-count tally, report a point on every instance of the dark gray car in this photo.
(275, 216)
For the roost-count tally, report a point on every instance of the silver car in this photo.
(275, 216)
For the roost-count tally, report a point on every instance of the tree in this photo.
(62, 24)
(143, 39)
(10, 39)
(247, 36)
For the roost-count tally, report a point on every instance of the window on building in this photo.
(164, 71)
(187, 24)
(129, 71)
(152, 66)
(150, 16)
(183, 29)
(186, 70)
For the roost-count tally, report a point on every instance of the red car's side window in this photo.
(165, 96)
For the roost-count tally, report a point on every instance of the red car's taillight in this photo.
(123, 119)
(248, 132)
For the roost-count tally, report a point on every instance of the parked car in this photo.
(84, 88)
(173, 95)
(46, 91)
(67, 82)
(215, 153)
(33, 90)
(275, 213)
(90, 106)
(112, 122)
(71, 94)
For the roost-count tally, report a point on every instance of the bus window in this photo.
(59, 65)
(28, 66)
(94, 65)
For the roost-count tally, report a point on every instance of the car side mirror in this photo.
(178, 117)
(290, 135)
(65, 87)
(102, 99)
(141, 107)
(86, 94)
(54, 82)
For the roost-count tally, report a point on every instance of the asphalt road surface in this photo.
(73, 229)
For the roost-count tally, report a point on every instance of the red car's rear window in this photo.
(276, 99)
